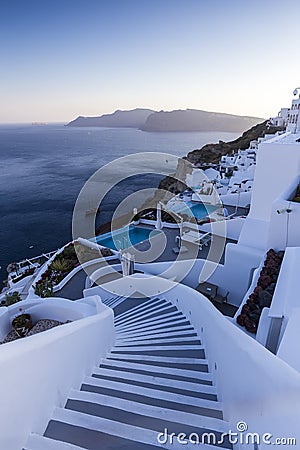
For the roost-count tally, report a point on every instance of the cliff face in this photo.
(177, 184)
(134, 118)
(197, 120)
(187, 120)
(211, 153)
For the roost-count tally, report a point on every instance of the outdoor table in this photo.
(208, 289)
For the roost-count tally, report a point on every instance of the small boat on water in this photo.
(91, 211)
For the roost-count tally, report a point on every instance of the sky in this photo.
(61, 59)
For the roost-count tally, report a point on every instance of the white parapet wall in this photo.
(278, 162)
(233, 227)
(243, 199)
(234, 276)
(37, 372)
(254, 386)
(285, 305)
(285, 219)
(288, 347)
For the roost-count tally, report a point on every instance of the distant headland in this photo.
(134, 118)
(163, 121)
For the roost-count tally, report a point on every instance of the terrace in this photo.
(163, 247)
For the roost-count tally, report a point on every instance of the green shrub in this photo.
(44, 288)
(296, 197)
(61, 265)
(69, 252)
(12, 298)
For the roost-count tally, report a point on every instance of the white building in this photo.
(293, 124)
(281, 119)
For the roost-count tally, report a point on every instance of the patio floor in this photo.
(160, 249)
(215, 249)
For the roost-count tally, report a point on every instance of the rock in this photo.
(11, 336)
(241, 319)
(250, 325)
(265, 299)
(41, 325)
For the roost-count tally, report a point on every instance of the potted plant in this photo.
(22, 323)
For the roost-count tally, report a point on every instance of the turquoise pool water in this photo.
(128, 236)
(199, 210)
(125, 237)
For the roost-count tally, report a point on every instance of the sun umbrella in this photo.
(158, 224)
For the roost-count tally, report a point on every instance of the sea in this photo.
(44, 167)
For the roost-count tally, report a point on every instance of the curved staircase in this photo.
(155, 378)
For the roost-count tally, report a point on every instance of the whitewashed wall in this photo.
(233, 228)
(284, 226)
(278, 164)
(234, 199)
(38, 372)
(233, 277)
(254, 385)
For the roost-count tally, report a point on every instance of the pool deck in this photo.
(214, 252)
(167, 254)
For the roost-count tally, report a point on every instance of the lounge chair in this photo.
(205, 240)
(197, 238)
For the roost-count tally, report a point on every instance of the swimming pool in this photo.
(125, 237)
(199, 210)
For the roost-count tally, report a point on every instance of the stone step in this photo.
(166, 341)
(152, 334)
(207, 403)
(147, 416)
(153, 379)
(81, 424)
(187, 352)
(143, 307)
(176, 373)
(129, 304)
(113, 300)
(153, 311)
(38, 442)
(152, 348)
(163, 325)
(185, 363)
(158, 359)
(174, 315)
